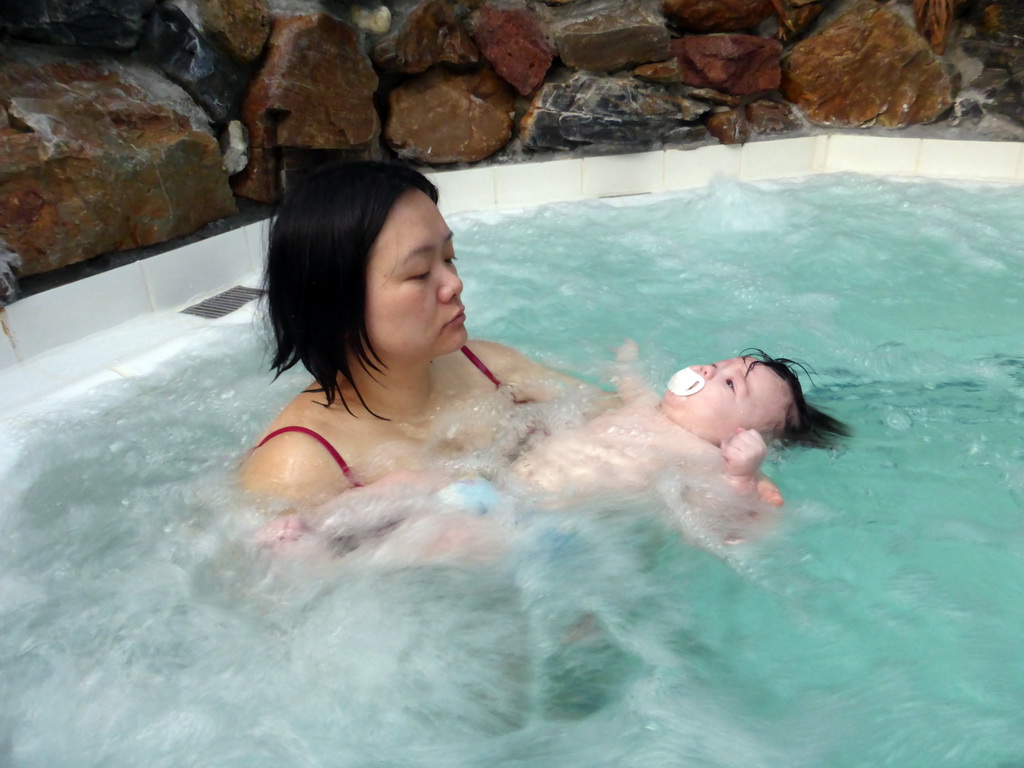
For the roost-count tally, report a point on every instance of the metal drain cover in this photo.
(223, 303)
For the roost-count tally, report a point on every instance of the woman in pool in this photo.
(363, 291)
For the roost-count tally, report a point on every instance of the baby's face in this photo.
(735, 395)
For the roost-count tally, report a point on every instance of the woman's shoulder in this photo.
(292, 465)
(507, 362)
(300, 454)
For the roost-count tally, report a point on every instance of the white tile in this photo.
(178, 277)
(7, 354)
(981, 160)
(70, 312)
(820, 154)
(256, 244)
(624, 174)
(873, 155)
(527, 184)
(779, 159)
(98, 351)
(468, 190)
(21, 386)
(693, 168)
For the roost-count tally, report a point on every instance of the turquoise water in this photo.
(879, 624)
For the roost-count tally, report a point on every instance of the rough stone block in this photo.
(111, 24)
(740, 65)
(513, 42)
(314, 92)
(446, 117)
(208, 75)
(98, 157)
(868, 67)
(620, 111)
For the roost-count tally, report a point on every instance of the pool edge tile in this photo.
(469, 189)
(694, 168)
(69, 313)
(779, 159)
(874, 155)
(969, 160)
(633, 174)
(178, 277)
(530, 184)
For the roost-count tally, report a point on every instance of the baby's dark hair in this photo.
(805, 425)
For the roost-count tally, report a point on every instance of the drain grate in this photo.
(223, 303)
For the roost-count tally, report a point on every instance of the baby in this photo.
(713, 419)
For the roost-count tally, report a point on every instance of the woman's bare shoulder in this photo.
(294, 466)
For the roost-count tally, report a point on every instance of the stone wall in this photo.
(126, 123)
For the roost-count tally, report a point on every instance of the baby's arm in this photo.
(743, 454)
(629, 385)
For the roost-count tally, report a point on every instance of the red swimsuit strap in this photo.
(479, 364)
(320, 439)
(331, 449)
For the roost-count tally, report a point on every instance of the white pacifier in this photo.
(686, 382)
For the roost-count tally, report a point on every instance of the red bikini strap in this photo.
(320, 439)
(479, 364)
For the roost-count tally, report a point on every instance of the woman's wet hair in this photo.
(805, 425)
(321, 234)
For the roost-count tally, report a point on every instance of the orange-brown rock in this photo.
(314, 91)
(240, 27)
(868, 67)
(729, 127)
(660, 72)
(448, 117)
(431, 34)
(798, 20)
(740, 65)
(766, 116)
(92, 161)
(717, 15)
(514, 44)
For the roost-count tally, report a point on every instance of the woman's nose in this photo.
(451, 287)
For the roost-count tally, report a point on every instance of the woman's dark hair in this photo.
(806, 424)
(320, 239)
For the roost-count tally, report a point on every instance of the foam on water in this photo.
(879, 624)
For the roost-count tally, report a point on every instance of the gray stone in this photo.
(210, 76)
(111, 24)
(620, 111)
(9, 262)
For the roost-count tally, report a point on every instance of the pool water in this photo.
(880, 623)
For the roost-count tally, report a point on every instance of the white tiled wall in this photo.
(623, 174)
(694, 168)
(468, 190)
(528, 184)
(7, 356)
(873, 155)
(981, 160)
(70, 312)
(781, 159)
(185, 274)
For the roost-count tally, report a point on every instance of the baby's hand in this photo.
(629, 352)
(743, 453)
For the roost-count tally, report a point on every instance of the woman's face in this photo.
(736, 395)
(414, 309)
